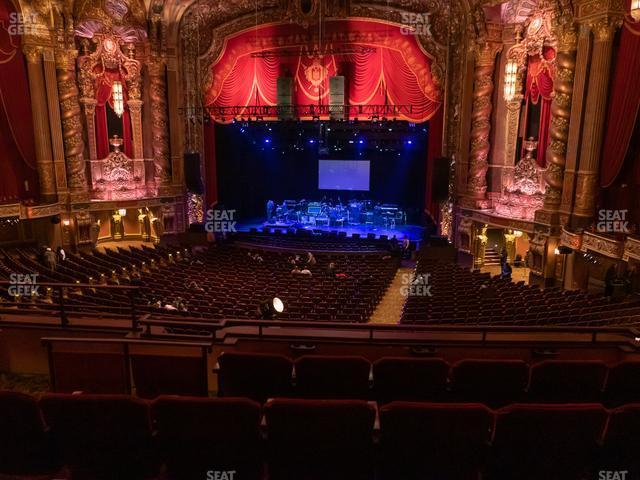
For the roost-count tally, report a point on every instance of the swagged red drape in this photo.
(397, 71)
(17, 151)
(539, 86)
(622, 114)
(103, 98)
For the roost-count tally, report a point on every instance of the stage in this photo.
(413, 232)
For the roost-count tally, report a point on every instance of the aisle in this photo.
(389, 310)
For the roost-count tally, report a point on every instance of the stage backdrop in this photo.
(17, 153)
(251, 170)
(381, 66)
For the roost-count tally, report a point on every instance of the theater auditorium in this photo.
(319, 240)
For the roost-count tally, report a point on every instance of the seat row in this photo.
(95, 437)
(261, 376)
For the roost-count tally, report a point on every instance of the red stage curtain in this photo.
(622, 113)
(17, 150)
(540, 75)
(103, 97)
(395, 71)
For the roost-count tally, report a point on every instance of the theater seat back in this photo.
(101, 436)
(332, 377)
(258, 376)
(196, 435)
(562, 381)
(434, 440)
(402, 378)
(493, 382)
(320, 439)
(553, 442)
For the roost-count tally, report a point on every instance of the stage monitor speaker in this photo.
(284, 88)
(336, 98)
(192, 176)
(440, 179)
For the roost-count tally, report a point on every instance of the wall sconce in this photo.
(66, 222)
(511, 79)
(556, 251)
(118, 98)
(517, 233)
(635, 10)
(122, 212)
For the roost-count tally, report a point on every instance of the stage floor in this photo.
(414, 232)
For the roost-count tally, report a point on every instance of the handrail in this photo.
(129, 341)
(632, 333)
(63, 309)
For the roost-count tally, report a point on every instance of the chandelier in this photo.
(118, 99)
(511, 78)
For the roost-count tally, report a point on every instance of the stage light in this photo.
(267, 140)
(635, 10)
(409, 142)
(312, 141)
(360, 142)
(270, 308)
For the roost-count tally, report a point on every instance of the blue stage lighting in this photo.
(409, 142)
(267, 140)
(360, 142)
(312, 141)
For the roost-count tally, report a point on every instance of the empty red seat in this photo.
(551, 442)
(197, 435)
(421, 441)
(493, 382)
(101, 436)
(319, 376)
(623, 383)
(25, 447)
(567, 381)
(258, 376)
(402, 378)
(622, 442)
(319, 439)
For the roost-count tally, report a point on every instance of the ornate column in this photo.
(603, 29)
(71, 124)
(481, 119)
(159, 124)
(583, 52)
(57, 146)
(560, 115)
(41, 127)
(175, 124)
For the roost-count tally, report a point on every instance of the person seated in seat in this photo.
(506, 271)
(311, 260)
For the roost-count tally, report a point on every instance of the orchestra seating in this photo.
(224, 282)
(460, 296)
(117, 436)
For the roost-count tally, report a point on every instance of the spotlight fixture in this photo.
(270, 308)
